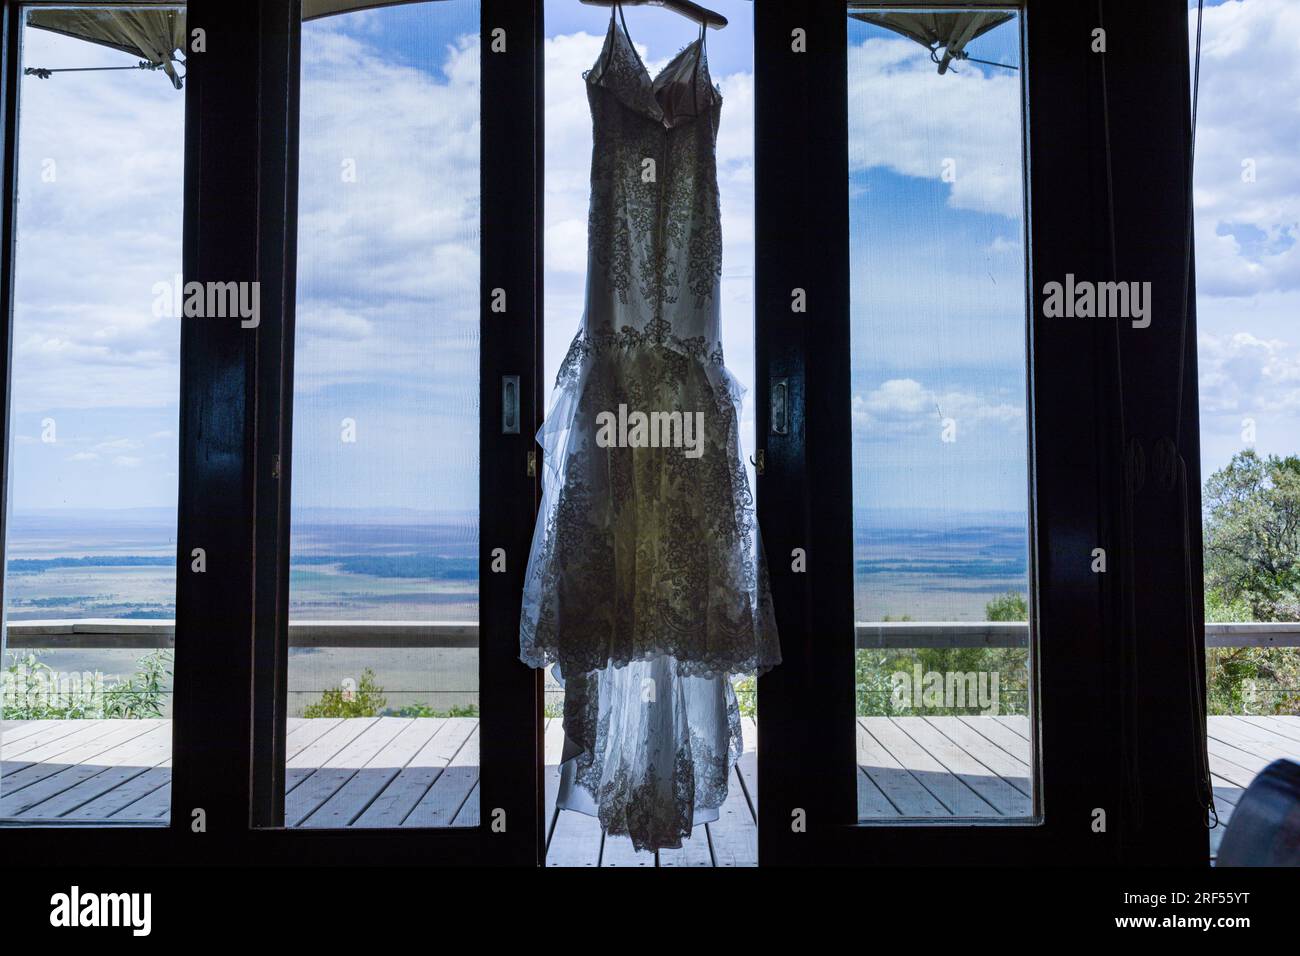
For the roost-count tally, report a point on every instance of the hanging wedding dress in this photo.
(645, 584)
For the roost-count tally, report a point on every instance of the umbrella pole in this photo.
(45, 73)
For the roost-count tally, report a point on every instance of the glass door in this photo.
(944, 497)
(939, 358)
(399, 711)
(92, 403)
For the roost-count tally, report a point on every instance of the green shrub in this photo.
(367, 700)
(143, 694)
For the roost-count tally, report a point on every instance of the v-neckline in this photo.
(645, 70)
(644, 93)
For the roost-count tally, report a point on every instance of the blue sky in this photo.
(388, 266)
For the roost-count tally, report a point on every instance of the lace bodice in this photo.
(655, 239)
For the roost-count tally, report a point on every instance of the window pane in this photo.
(383, 665)
(940, 487)
(1247, 206)
(90, 542)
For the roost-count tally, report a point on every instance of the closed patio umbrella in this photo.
(156, 37)
(945, 35)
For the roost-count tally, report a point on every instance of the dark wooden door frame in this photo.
(261, 80)
(236, 393)
(1114, 722)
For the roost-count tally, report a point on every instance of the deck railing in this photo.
(115, 633)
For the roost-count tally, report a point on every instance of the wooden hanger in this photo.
(691, 11)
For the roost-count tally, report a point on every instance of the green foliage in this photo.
(367, 700)
(25, 698)
(1252, 535)
(28, 684)
(1007, 607)
(143, 694)
(425, 710)
(1252, 573)
(746, 687)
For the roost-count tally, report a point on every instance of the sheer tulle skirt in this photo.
(645, 584)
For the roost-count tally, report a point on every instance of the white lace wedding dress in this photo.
(645, 583)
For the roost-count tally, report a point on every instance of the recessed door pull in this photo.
(757, 462)
(510, 404)
(532, 463)
(780, 406)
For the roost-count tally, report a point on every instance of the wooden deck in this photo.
(403, 772)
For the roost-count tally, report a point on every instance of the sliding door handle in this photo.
(780, 406)
(510, 404)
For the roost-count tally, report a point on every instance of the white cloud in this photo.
(388, 270)
(1247, 232)
(903, 406)
(907, 117)
(1246, 375)
(99, 222)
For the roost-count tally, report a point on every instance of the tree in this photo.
(1007, 607)
(1252, 536)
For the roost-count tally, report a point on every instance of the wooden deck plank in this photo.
(904, 792)
(152, 806)
(318, 753)
(748, 764)
(143, 754)
(1251, 754)
(107, 770)
(448, 794)
(958, 798)
(41, 782)
(469, 812)
(301, 731)
(1227, 768)
(360, 790)
(51, 742)
(1016, 723)
(694, 851)
(1258, 740)
(872, 803)
(618, 851)
(1288, 727)
(1001, 736)
(734, 837)
(85, 758)
(1226, 793)
(16, 730)
(109, 805)
(337, 793)
(575, 841)
(20, 739)
(391, 807)
(553, 749)
(1015, 772)
(1005, 799)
